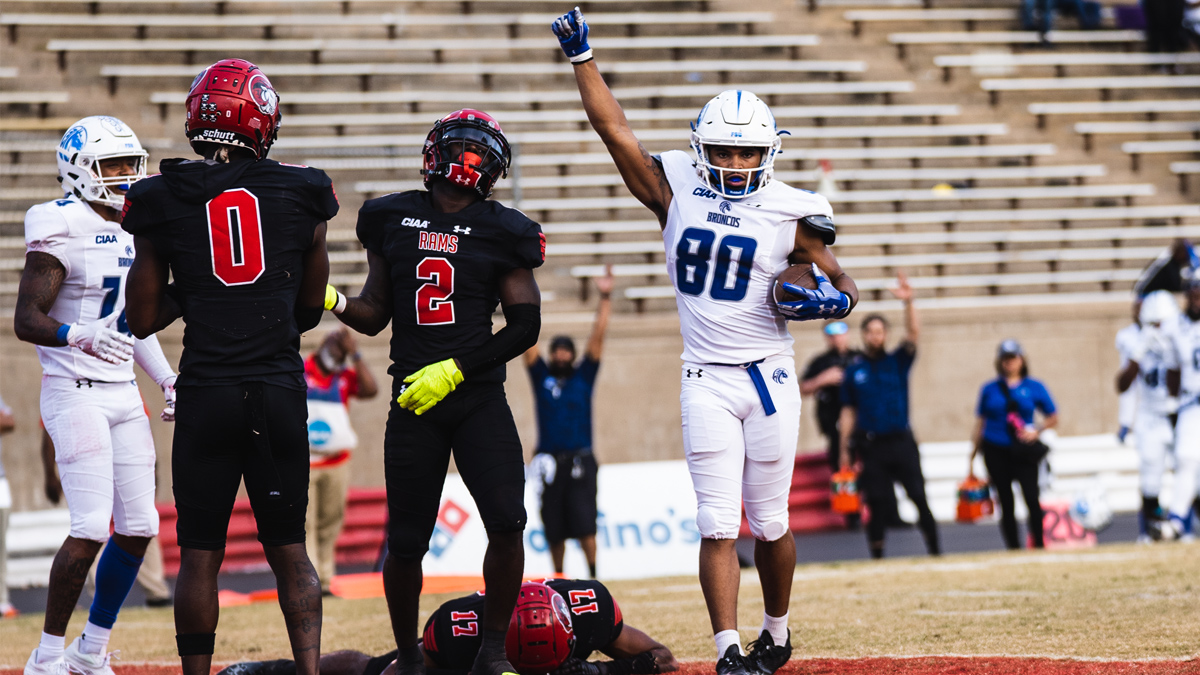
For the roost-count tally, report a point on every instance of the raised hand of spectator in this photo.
(902, 291)
(605, 283)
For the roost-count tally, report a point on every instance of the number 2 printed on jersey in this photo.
(235, 237)
(730, 271)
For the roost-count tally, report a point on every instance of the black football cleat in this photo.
(733, 663)
(764, 657)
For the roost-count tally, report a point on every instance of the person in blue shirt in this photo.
(564, 458)
(874, 421)
(1007, 435)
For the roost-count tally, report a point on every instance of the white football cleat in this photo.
(87, 664)
(55, 667)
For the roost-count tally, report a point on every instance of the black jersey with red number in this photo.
(446, 270)
(234, 236)
(453, 634)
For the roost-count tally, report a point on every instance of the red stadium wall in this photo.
(366, 520)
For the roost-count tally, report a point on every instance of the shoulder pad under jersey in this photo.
(824, 226)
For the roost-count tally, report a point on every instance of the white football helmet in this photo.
(1090, 508)
(80, 151)
(1159, 309)
(735, 118)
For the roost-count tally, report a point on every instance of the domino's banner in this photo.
(646, 527)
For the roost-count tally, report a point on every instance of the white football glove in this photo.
(98, 339)
(168, 387)
(1154, 341)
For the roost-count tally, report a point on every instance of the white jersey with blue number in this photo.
(1152, 375)
(96, 254)
(723, 257)
(1189, 357)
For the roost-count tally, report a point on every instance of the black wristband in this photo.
(196, 644)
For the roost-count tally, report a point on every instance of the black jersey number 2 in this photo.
(235, 237)
(434, 306)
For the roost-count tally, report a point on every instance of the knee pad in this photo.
(141, 521)
(768, 528)
(407, 542)
(716, 522)
(92, 525)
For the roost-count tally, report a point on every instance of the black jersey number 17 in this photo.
(235, 237)
(434, 306)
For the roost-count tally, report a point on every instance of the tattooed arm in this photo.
(642, 173)
(41, 281)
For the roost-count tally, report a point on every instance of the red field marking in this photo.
(925, 665)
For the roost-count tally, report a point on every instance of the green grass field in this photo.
(1120, 602)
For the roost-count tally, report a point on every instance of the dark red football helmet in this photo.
(540, 636)
(233, 103)
(467, 148)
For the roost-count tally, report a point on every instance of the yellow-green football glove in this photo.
(334, 301)
(429, 385)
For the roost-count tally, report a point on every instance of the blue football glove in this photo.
(826, 302)
(571, 29)
(1122, 433)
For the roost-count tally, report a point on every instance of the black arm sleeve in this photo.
(521, 333)
(307, 318)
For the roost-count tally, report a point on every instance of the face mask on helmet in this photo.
(91, 145)
(540, 635)
(736, 119)
(467, 153)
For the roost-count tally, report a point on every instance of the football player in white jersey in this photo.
(1187, 427)
(1154, 365)
(729, 230)
(71, 304)
(1128, 339)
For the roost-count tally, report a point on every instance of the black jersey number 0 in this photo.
(434, 306)
(235, 237)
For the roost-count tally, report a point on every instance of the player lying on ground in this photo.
(243, 237)
(729, 231)
(555, 627)
(71, 304)
(439, 261)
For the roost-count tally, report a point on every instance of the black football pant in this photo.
(1004, 466)
(475, 423)
(888, 459)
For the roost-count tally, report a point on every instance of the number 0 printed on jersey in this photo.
(730, 270)
(235, 237)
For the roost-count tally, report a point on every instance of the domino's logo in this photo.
(780, 375)
(450, 520)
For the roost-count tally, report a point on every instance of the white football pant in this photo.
(1155, 438)
(1187, 460)
(737, 453)
(105, 456)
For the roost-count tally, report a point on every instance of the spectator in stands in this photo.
(7, 611)
(875, 421)
(1170, 271)
(1006, 434)
(334, 373)
(564, 459)
(1087, 11)
(1164, 25)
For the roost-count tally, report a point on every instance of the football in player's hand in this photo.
(800, 275)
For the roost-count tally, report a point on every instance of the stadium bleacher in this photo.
(892, 139)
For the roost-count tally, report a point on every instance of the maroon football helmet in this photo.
(467, 148)
(540, 636)
(233, 103)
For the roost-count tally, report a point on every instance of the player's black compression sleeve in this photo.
(521, 333)
(307, 318)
